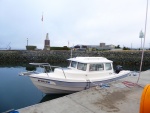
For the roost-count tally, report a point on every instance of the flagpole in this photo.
(42, 28)
(143, 49)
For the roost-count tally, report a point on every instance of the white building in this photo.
(102, 46)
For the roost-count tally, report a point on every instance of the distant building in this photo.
(47, 43)
(80, 47)
(106, 47)
(102, 46)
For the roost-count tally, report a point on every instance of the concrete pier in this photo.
(122, 96)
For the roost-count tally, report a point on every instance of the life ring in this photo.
(145, 100)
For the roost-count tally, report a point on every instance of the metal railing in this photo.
(44, 65)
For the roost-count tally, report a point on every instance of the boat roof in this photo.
(90, 60)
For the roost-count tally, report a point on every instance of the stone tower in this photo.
(47, 43)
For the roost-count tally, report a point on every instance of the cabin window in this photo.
(96, 67)
(82, 66)
(108, 66)
(73, 64)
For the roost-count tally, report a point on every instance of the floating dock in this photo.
(121, 96)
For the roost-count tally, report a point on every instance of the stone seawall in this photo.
(119, 57)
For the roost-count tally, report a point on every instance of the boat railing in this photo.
(44, 65)
(28, 73)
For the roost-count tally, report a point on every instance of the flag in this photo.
(42, 18)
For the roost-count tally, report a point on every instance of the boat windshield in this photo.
(73, 64)
(108, 66)
(96, 67)
(82, 66)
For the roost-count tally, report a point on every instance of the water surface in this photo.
(18, 91)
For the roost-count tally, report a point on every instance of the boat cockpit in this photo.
(90, 67)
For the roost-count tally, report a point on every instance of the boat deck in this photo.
(122, 96)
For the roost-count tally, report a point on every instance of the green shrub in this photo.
(60, 48)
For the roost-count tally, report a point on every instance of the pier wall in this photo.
(56, 56)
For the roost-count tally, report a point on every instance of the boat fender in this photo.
(145, 100)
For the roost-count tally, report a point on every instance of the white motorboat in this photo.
(82, 73)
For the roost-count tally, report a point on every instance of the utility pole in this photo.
(68, 44)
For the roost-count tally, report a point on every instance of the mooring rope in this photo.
(143, 43)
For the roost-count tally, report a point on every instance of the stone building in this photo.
(101, 46)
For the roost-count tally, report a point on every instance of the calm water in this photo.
(18, 91)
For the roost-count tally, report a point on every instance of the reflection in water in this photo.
(51, 97)
(30, 68)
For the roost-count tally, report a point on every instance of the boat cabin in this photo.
(91, 64)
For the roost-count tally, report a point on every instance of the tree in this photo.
(126, 48)
(118, 46)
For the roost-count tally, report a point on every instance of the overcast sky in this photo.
(88, 22)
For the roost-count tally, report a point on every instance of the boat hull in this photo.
(56, 87)
(50, 86)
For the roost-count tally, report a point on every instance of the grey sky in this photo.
(91, 22)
